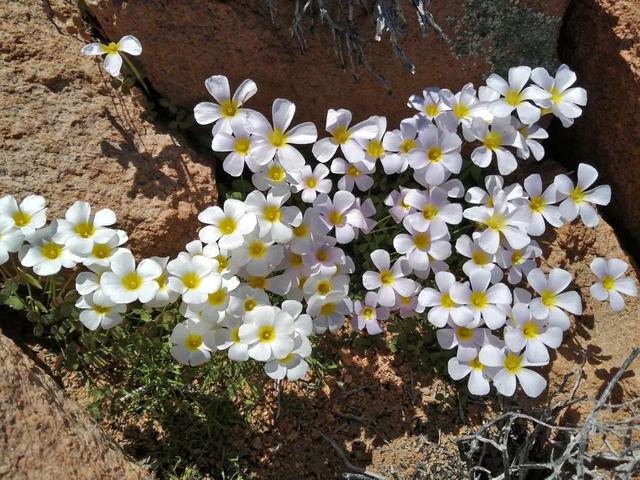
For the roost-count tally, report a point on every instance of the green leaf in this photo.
(15, 302)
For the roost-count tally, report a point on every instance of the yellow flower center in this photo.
(227, 226)
(284, 361)
(250, 304)
(464, 334)
(277, 138)
(257, 249)
(111, 48)
(228, 108)
(537, 204)
(322, 255)
(446, 302)
(161, 281)
(609, 283)
(257, 282)
(222, 263)
(556, 95)
(431, 110)
(276, 173)
(341, 134)
(405, 300)
(132, 281)
(461, 110)
(369, 313)
(101, 250)
(496, 222)
(517, 257)
(328, 309)
(193, 342)
(21, 219)
(386, 277)
(335, 218)
(476, 365)
(492, 140)
(324, 287)
(514, 98)
(513, 363)
(191, 280)
(235, 335)
(301, 231)
(266, 334)
(478, 300)
(375, 148)
(530, 330)
(218, 297)
(311, 182)
(295, 260)
(577, 195)
(271, 213)
(548, 298)
(353, 171)
(480, 258)
(51, 250)
(407, 145)
(85, 230)
(429, 211)
(422, 241)
(242, 146)
(435, 154)
(100, 310)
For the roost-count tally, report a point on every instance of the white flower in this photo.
(278, 139)
(373, 147)
(228, 227)
(113, 60)
(531, 334)
(324, 258)
(10, 239)
(328, 313)
(431, 206)
(578, 200)
(357, 174)
(30, 215)
(164, 295)
(421, 247)
(258, 254)
(530, 135)
(564, 102)
(396, 200)
(101, 253)
(80, 230)
(495, 190)
(519, 261)
(368, 313)
(99, 311)
(310, 231)
(478, 258)
(192, 277)
(87, 282)
(44, 255)
(552, 301)
(467, 339)
(389, 279)
(271, 176)
(430, 105)
(239, 143)
(471, 365)
(125, 283)
(494, 139)
(398, 144)
(227, 337)
(227, 107)
(462, 107)
(437, 154)
(344, 136)
(192, 342)
(541, 205)
(323, 285)
(311, 182)
(488, 303)
(244, 299)
(440, 304)
(214, 308)
(612, 282)
(274, 218)
(515, 96)
(293, 367)
(501, 222)
(511, 367)
(269, 333)
(360, 216)
(333, 213)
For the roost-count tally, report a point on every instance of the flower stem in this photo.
(136, 72)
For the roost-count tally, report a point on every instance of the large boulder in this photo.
(600, 39)
(66, 134)
(44, 434)
(186, 42)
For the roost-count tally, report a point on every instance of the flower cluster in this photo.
(269, 270)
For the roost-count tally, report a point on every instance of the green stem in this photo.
(136, 72)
